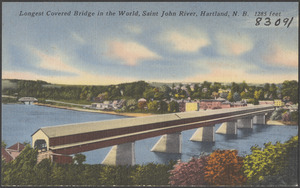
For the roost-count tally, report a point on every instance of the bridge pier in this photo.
(123, 154)
(228, 128)
(204, 134)
(168, 143)
(259, 119)
(245, 123)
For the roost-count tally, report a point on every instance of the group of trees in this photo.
(285, 115)
(25, 170)
(275, 164)
(287, 91)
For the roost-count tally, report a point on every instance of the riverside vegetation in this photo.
(274, 164)
(157, 95)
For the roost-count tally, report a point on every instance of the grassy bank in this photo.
(70, 107)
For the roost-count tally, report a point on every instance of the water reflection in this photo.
(166, 157)
(206, 147)
(230, 137)
(261, 128)
(245, 132)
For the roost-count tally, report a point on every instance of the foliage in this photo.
(79, 158)
(142, 105)
(189, 173)
(286, 116)
(116, 175)
(224, 167)
(236, 96)
(131, 104)
(278, 160)
(21, 170)
(3, 144)
(295, 116)
(277, 114)
(152, 174)
(290, 89)
(173, 106)
(259, 95)
(153, 106)
(230, 97)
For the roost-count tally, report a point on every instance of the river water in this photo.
(19, 122)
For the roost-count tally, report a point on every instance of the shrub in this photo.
(189, 173)
(277, 161)
(224, 167)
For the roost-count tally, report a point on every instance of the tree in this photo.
(151, 174)
(290, 89)
(21, 170)
(173, 106)
(259, 95)
(116, 175)
(142, 105)
(149, 94)
(162, 107)
(152, 106)
(131, 104)
(3, 144)
(234, 87)
(278, 161)
(189, 173)
(224, 95)
(79, 158)
(230, 97)
(43, 172)
(224, 167)
(236, 96)
(215, 94)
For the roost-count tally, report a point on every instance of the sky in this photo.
(102, 50)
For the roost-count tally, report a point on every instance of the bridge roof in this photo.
(26, 99)
(78, 128)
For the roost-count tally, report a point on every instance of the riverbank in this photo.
(95, 111)
(273, 122)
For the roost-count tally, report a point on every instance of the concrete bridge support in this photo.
(168, 143)
(260, 119)
(228, 128)
(123, 154)
(204, 134)
(245, 123)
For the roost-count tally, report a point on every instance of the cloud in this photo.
(130, 53)
(239, 75)
(185, 42)
(233, 45)
(77, 38)
(282, 56)
(84, 78)
(134, 29)
(235, 70)
(56, 62)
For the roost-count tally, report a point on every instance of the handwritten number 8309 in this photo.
(267, 21)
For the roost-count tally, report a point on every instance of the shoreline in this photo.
(281, 123)
(127, 114)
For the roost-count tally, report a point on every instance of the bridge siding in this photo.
(69, 139)
(132, 138)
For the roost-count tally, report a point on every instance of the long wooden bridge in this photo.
(122, 133)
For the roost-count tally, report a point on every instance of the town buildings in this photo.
(11, 153)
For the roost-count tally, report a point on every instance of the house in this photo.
(181, 105)
(278, 103)
(238, 104)
(191, 106)
(211, 103)
(9, 154)
(266, 102)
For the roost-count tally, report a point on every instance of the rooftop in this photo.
(71, 129)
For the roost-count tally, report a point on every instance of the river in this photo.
(19, 122)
